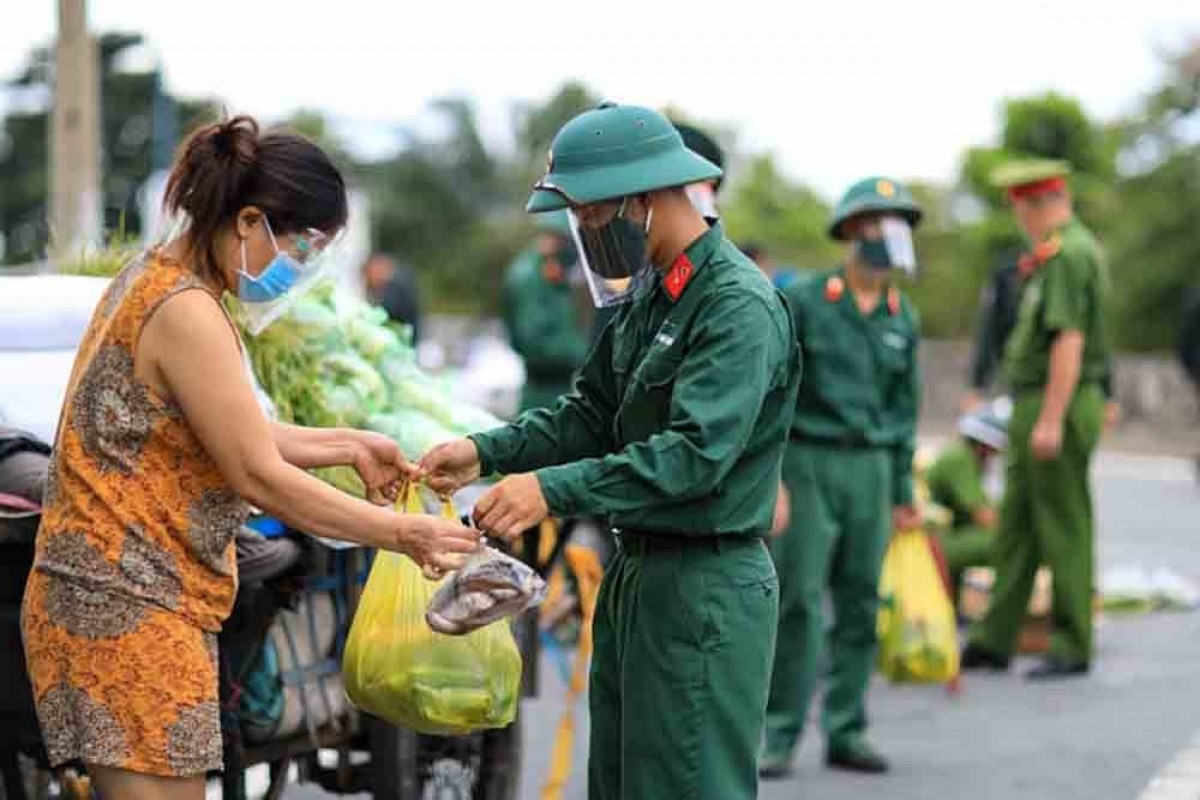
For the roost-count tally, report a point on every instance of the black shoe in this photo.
(976, 657)
(774, 769)
(856, 757)
(1052, 668)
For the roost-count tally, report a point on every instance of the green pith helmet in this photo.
(702, 144)
(555, 222)
(874, 195)
(614, 151)
(1027, 171)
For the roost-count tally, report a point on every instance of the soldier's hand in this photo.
(450, 466)
(512, 506)
(1046, 440)
(783, 511)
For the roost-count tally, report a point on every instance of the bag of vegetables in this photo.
(398, 669)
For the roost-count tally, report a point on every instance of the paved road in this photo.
(1098, 739)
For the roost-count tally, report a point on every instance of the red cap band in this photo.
(1047, 186)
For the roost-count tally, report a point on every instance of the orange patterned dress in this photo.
(135, 569)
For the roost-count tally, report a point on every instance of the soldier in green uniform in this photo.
(675, 430)
(848, 468)
(540, 313)
(955, 482)
(1055, 360)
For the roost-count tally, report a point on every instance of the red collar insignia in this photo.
(552, 271)
(1042, 252)
(893, 301)
(835, 287)
(679, 276)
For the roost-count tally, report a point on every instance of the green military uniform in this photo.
(955, 482)
(542, 320)
(675, 431)
(848, 463)
(1046, 513)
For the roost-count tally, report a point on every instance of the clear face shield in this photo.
(612, 249)
(888, 244)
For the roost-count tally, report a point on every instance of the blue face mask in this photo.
(274, 281)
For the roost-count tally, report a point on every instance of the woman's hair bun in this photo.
(237, 138)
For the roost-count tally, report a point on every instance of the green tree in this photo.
(138, 124)
(787, 218)
(1154, 243)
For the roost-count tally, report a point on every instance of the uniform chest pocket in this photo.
(646, 409)
(893, 351)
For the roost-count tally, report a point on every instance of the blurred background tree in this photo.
(140, 126)
(450, 200)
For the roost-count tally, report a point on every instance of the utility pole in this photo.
(75, 197)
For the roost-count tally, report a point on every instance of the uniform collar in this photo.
(680, 274)
(1043, 251)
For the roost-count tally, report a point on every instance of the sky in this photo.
(836, 90)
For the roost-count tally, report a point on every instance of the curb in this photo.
(1179, 779)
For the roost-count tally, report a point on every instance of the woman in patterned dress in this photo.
(160, 448)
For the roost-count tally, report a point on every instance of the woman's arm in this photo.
(192, 350)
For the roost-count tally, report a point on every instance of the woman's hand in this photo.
(437, 545)
(380, 464)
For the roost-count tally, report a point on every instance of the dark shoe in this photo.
(856, 757)
(774, 766)
(1052, 668)
(975, 657)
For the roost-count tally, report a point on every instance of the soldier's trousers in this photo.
(964, 547)
(684, 633)
(1046, 517)
(841, 521)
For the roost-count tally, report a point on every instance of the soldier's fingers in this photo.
(448, 562)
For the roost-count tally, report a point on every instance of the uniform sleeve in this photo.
(905, 403)
(719, 389)
(1064, 299)
(962, 487)
(578, 427)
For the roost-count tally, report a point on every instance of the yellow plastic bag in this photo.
(398, 669)
(918, 638)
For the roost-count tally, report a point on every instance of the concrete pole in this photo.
(75, 196)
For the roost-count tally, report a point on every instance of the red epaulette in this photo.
(835, 287)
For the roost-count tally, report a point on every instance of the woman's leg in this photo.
(120, 784)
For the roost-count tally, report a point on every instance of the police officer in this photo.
(540, 313)
(675, 430)
(1054, 362)
(997, 318)
(848, 468)
(955, 482)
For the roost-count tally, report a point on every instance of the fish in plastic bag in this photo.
(489, 587)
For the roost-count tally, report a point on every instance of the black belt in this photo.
(644, 543)
(849, 442)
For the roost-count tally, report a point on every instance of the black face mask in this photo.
(566, 256)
